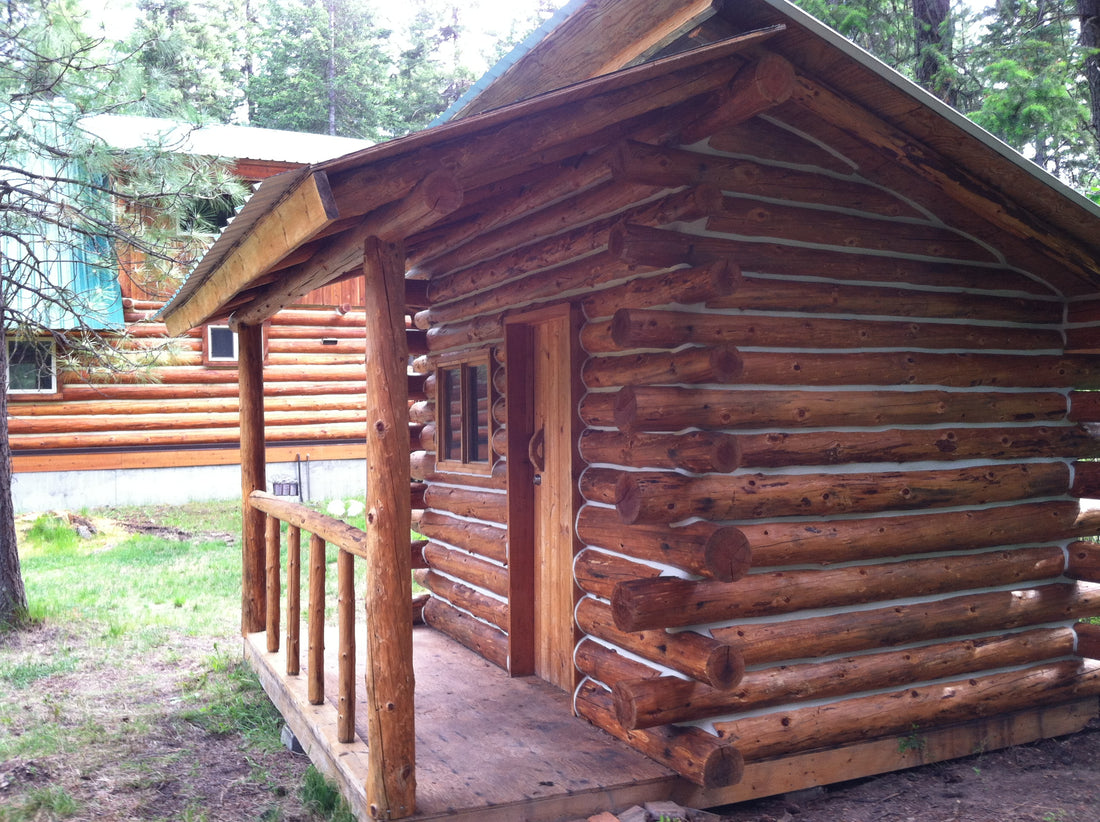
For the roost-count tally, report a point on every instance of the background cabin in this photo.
(759, 416)
(170, 432)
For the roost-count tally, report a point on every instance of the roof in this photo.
(238, 142)
(308, 230)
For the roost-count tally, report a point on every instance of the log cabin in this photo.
(759, 431)
(167, 431)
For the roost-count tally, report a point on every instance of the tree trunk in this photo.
(932, 27)
(1089, 12)
(13, 596)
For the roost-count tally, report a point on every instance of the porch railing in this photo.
(322, 531)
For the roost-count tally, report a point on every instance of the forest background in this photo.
(1026, 70)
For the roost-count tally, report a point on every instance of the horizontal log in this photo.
(422, 412)
(493, 205)
(921, 707)
(606, 665)
(1088, 639)
(669, 408)
(417, 548)
(695, 451)
(856, 265)
(656, 328)
(1084, 561)
(507, 281)
(692, 654)
(466, 502)
(764, 643)
(597, 409)
(850, 540)
(480, 637)
(77, 392)
(680, 167)
(477, 331)
(598, 572)
(331, 530)
(753, 218)
(779, 449)
(467, 567)
(717, 364)
(172, 438)
(713, 551)
(496, 480)
(651, 496)
(477, 603)
(769, 294)
(770, 141)
(669, 602)
(481, 538)
(305, 405)
(531, 229)
(645, 703)
(684, 286)
(193, 375)
(699, 757)
(886, 368)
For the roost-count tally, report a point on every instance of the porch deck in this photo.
(486, 744)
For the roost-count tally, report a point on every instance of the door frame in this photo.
(518, 357)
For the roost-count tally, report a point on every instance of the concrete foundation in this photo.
(75, 490)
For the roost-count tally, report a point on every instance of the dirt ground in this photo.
(1056, 780)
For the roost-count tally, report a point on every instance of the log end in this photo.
(726, 363)
(724, 766)
(625, 412)
(727, 453)
(725, 667)
(726, 277)
(628, 499)
(727, 554)
(773, 79)
(626, 705)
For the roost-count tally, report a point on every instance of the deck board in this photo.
(486, 744)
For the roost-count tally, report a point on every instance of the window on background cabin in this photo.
(219, 344)
(32, 367)
(464, 407)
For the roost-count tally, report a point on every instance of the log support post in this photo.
(391, 777)
(250, 364)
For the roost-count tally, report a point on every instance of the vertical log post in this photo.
(293, 599)
(345, 706)
(250, 372)
(391, 777)
(316, 673)
(273, 581)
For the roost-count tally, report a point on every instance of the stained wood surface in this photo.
(494, 747)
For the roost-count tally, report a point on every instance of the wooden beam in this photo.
(306, 210)
(250, 374)
(391, 781)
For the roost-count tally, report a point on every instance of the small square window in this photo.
(32, 366)
(464, 406)
(220, 344)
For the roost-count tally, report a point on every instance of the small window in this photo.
(32, 367)
(464, 407)
(219, 344)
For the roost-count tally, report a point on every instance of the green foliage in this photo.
(231, 701)
(48, 803)
(321, 796)
(24, 674)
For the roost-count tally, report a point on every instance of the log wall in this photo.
(175, 410)
(833, 442)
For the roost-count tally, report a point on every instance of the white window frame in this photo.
(46, 343)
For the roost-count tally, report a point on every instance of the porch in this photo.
(487, 745)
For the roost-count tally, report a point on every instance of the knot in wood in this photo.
(380, 428)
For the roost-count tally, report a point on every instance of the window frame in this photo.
(210, 361)
(464, 364)
(47, 343)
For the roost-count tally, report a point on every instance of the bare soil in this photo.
(1055, 780)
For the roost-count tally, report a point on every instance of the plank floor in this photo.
(489, 745)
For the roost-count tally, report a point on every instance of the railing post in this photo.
(345, 706)
(293, 598)
(274, 581)
(391, 767)
(316, 674)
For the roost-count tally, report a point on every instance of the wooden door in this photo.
(542, 492)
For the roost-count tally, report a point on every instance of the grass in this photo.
(129, 677)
